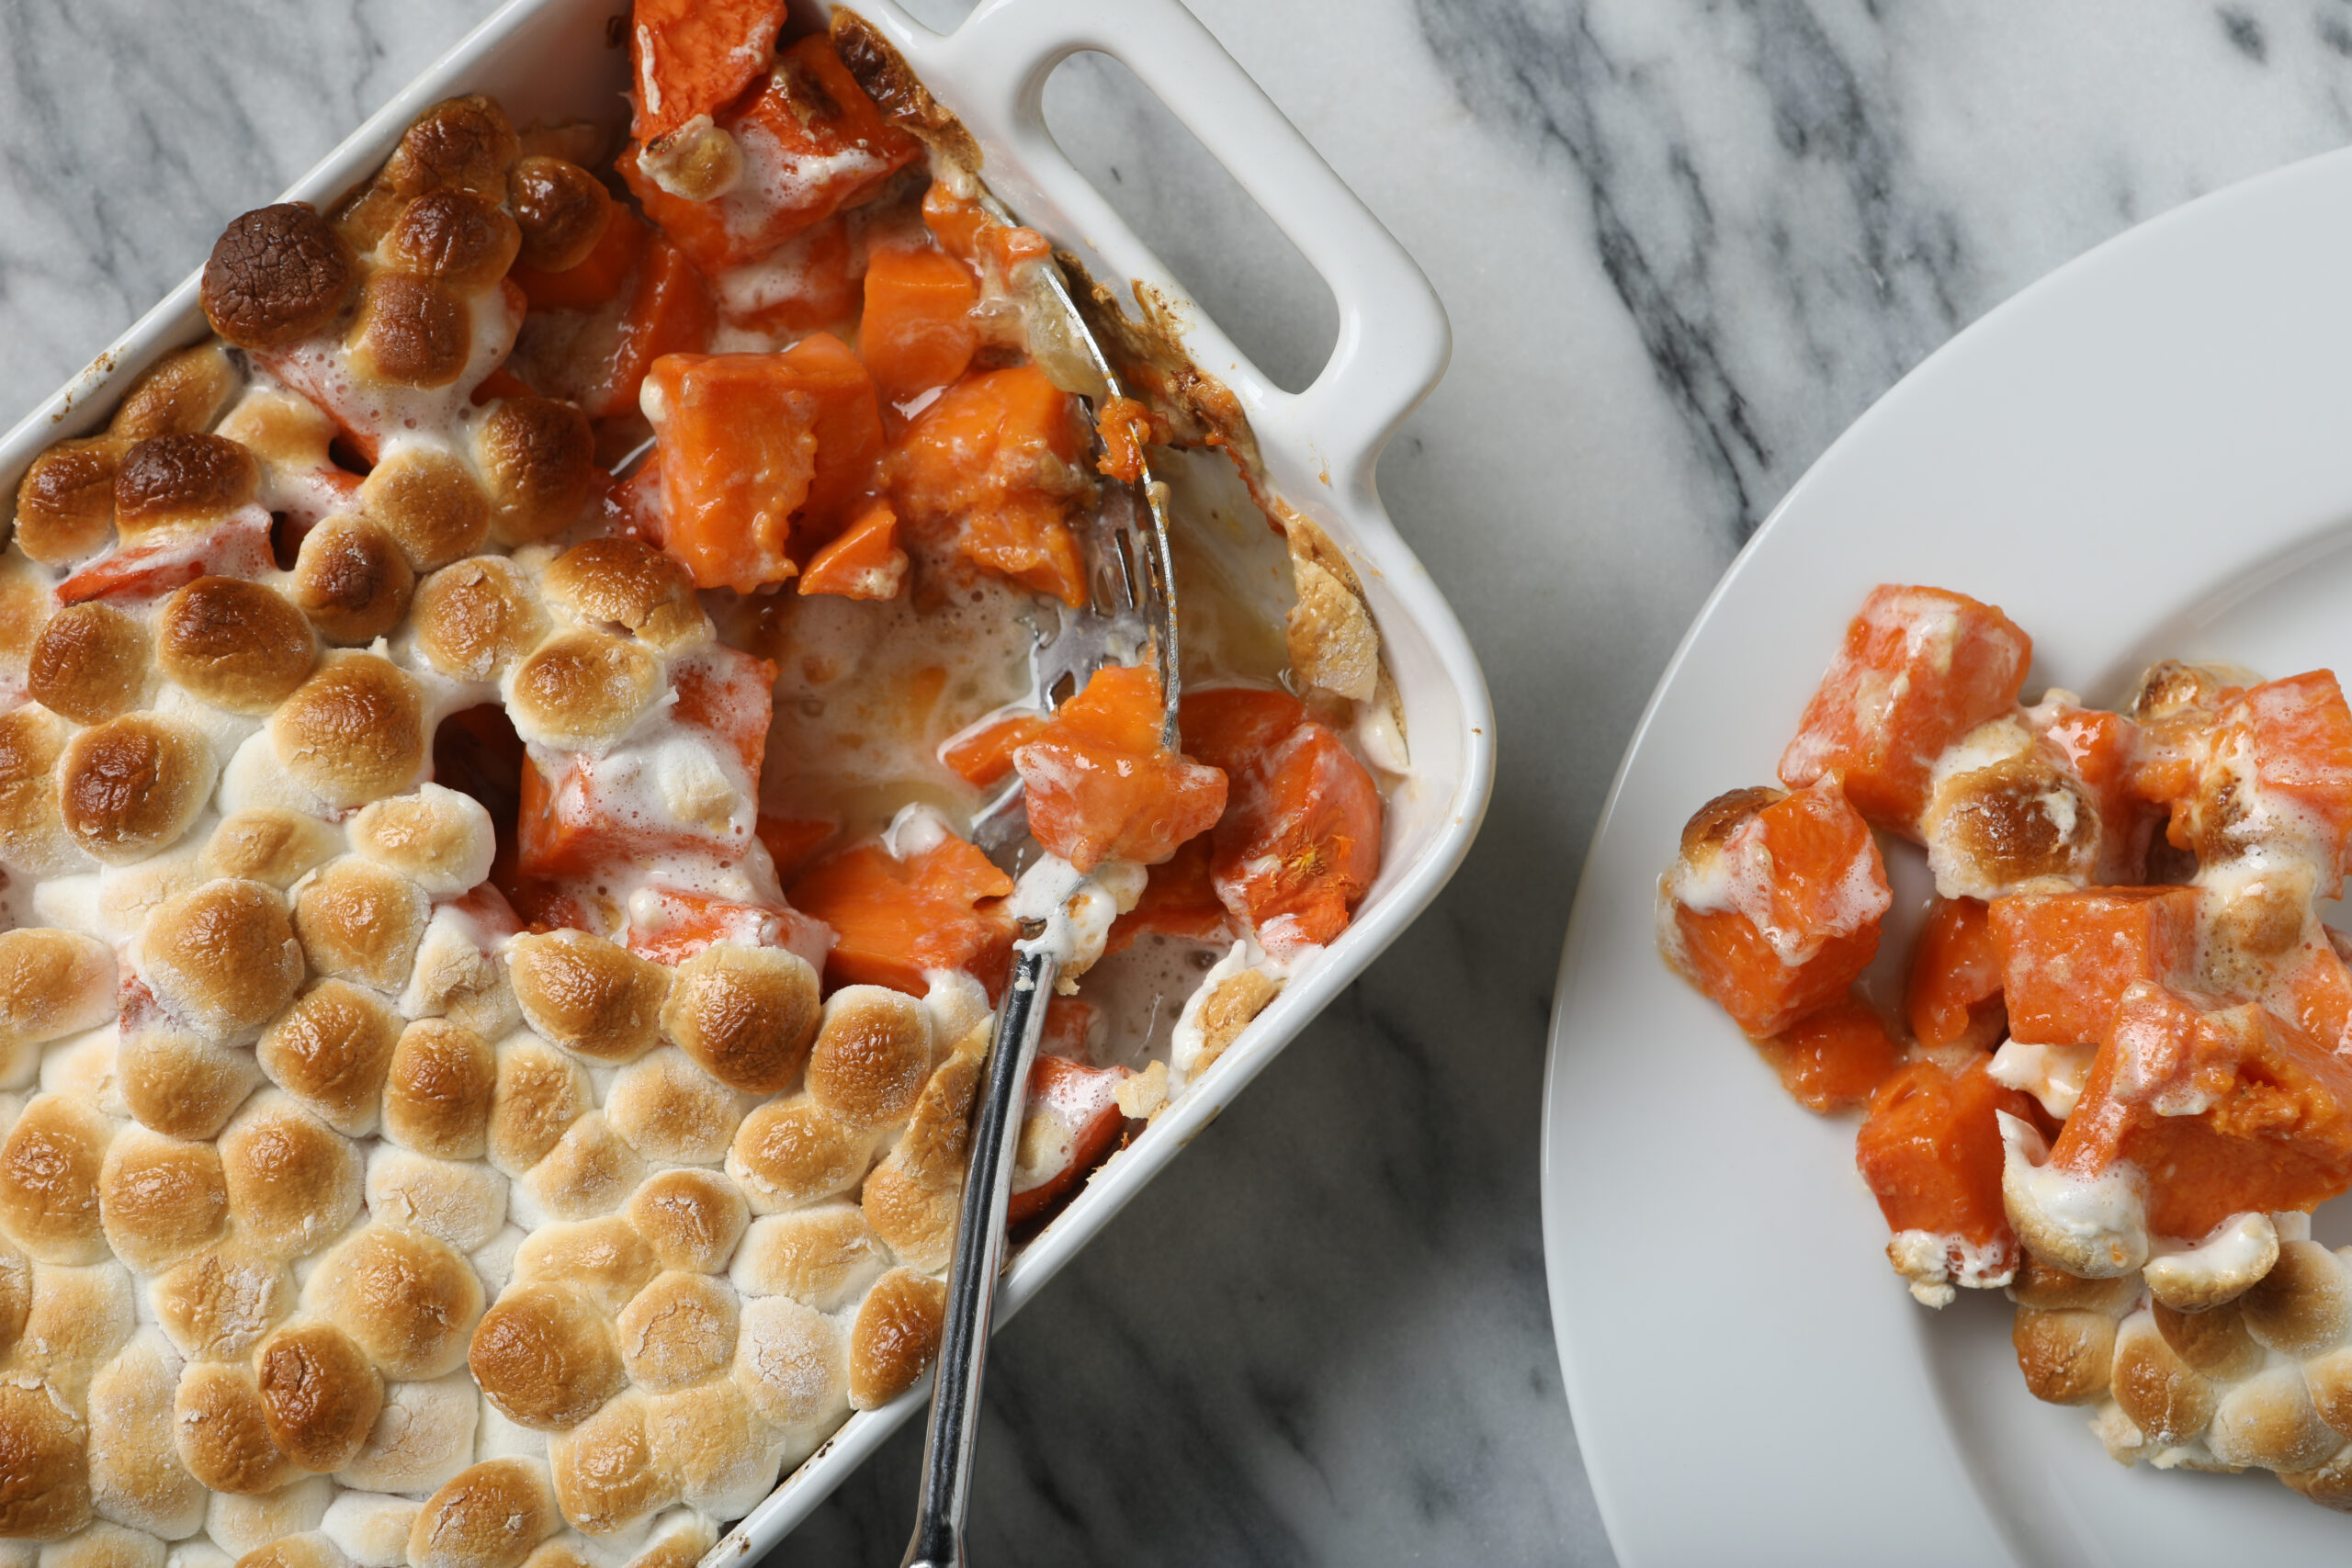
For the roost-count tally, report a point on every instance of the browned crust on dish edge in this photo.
(895, 89)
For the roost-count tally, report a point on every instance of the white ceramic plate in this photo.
(2148, 453)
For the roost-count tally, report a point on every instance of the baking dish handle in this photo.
(1393, 340)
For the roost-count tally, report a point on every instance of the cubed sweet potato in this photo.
(812, 145)
(1954, 989)
(692, 57)
(1773, 907)
(981, 754)
(990, 469)
(670, 926)
(917, 331)
(2313, 992)
(1299, 843)
(1179, 899)
(1920, 668)
(1072, 1119)
(2067, 958)
(2277, 769)
(757, 446)
(894, 919)
(2223, 1108)
(1930, 1151)
(862, 561)
(1834, 1059)
(1098, 784)
(665, 308)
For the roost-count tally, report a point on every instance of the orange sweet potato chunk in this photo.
(2296, 734)
(917, 332)
(669, 312)
(1955, 981)
(1228, 726)
(1082, 1102)
(1299, 843)
(893, 920)
(2067, 958)
(692, 57)
(954, 221)
(1124, 427)
(863, 561)
(963, 229)
(983, 755)
(810, 281)
(2313, 992)
(238, 548)
(1098, 784)
(1179, 899)
(1774, 905)
(1834, 1059)
(663, 307)
(813, 145)
(574, 822)
(756, 447)
(596, 281)
(2302, 731)
(989, 469)
(670, 926)
(2261, 1113)
(729, 696)
(1930, 1151)
(1073, 1025)
(1920, 668)
(793, 841)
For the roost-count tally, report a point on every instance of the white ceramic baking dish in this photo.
(552, 59)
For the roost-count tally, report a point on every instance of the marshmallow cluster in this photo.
(571, 1257)
(2237, 1360)
(345, 1222)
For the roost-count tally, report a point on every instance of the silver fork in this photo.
(1132, 611)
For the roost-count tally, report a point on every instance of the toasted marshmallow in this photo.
(581, 689)
(407, 1299)
(353, 732)
(490, 1514)
(474, 618)
(546, 1357)
(222, 958)
(132, 785)
(692, 1219)
(135, 1470)
(823, 1257)
(238, 645)
(894, 1337)
(623, 581)
(436, 838)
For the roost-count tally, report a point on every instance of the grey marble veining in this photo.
(1793, 203)
(1684, 242)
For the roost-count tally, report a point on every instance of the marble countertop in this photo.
(1683, 244)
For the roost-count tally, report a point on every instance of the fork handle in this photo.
(955, 1427)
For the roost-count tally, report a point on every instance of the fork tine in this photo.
(1123, 542)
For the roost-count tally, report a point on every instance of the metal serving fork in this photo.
(1132, 615)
